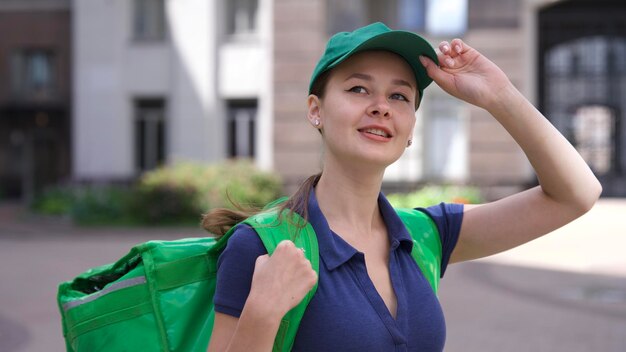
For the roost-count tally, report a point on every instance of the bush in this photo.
(241, 182)
(176, 194)
(102, 205)
(54, 201)
(431, 195)
(164, 204)
(182, 192)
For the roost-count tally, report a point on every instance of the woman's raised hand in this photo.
(467, 74)
(281, 280)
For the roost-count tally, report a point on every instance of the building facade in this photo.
(557, 53)
(439, 153)
(35, 95)
(160, 81)
(156, 81)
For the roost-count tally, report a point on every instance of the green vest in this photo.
(159, 297)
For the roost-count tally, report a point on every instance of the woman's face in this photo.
(367, 112)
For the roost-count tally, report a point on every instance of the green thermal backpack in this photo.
(159, 297)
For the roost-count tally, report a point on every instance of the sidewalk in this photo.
(592, 244)
(37, 253)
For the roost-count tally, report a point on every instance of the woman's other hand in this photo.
(567, 189)
(467, 74)
(281, 281)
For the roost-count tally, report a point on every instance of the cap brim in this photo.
(406, 44)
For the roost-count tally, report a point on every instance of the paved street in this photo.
(493, 307)
(534, 299)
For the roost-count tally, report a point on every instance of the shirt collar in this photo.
(334, 251)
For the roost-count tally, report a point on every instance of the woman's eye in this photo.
(399, 96)
(357, 89)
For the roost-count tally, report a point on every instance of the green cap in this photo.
(377, 36)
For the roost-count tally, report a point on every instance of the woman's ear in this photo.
(314, 111)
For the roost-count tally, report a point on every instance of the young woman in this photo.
(371, 295)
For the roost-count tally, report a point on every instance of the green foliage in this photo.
(164, 204)
(101, 205)
(241, 182)
(210, 186)
(169, 194)
(176, 194)
(54, 201)
(431, 195)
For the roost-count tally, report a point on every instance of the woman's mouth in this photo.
(377, 134)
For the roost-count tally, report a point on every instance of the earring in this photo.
(408, 144)
(317, 123)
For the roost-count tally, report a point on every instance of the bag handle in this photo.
(426, 243)
(272, 229)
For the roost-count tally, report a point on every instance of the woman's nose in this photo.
(380, 108)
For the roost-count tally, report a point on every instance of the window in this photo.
(33, 73)
(149, 20)
(581, 96)
(435, 17)
(242, 17)
(149, 133)
(446, 17)
(241, 128)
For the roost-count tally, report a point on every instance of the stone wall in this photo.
(299, 39)
(496, 162)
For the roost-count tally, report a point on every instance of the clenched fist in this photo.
(283, 279)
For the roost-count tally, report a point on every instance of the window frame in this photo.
(21, 83)
(251, 107)
(149, 117)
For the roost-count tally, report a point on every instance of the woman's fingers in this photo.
(262, 260)
(284, 277)
(466, 74)
(453, 48)
(445, 60)
(288, 249)
(445, 55)
(449, 54)
(457, 47)
(444, 47)
(441, 77)
(292, 262)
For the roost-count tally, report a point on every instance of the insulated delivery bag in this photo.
(153, 299)
(159, 297)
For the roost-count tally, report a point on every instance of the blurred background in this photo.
(146, 112)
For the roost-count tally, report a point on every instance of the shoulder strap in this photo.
(426, 243)
(272, 230)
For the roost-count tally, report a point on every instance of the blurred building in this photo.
(155, 81)
(35, 95)
(566, 56)
(159, 81)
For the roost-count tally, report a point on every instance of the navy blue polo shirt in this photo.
(346, 312)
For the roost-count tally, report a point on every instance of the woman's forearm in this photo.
(563, 174)
(256, 328)
(279, 283)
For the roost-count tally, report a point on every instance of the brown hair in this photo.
(219, 221)
(318, 87)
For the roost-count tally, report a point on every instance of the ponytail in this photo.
(221, 220)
